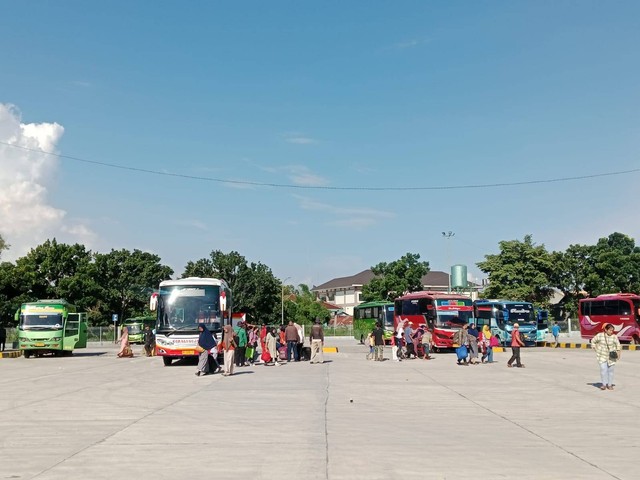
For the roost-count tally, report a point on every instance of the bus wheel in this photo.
(167, 361)
(635, 340)
(26, 354)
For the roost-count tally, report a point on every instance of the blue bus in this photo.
(543, 325)
(500, 315)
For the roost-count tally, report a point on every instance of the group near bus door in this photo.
(622, 310)
(442, 313)
(182, 306)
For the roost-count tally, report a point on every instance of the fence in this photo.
(339, 331)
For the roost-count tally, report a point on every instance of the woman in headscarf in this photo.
(205, 343)
(272, 348)
(484, 343)
(608, 349)
(125, 348)
(228, 345)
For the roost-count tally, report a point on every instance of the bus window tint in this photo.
(415, 306)
(452, 318)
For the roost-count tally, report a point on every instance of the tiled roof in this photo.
(434, 278)
(330, 306)
(361, 278)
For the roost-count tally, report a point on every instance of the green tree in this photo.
(395, 278)
(520, 271)
(56, 270)
(126, 281)
(11, 292)
(3, 245)
(614, 266)
(254, 288)
(302, 306)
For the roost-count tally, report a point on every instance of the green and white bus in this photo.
(367, 314)
(136, 325)
(50, 326)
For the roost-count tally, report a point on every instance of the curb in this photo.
(11, 354)
(330, 349)
(584, 346)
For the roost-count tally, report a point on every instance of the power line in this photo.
(325, 187)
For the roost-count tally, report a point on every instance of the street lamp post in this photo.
(447, 236)
(282, 301)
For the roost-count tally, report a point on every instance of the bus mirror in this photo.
(153, 302)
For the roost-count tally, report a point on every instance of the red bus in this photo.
(622, 310)
(442, 313)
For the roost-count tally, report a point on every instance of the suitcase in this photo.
(306, 354)
(282, 353)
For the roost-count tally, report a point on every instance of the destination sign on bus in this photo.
(453, 303)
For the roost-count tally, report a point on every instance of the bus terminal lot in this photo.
(96, 416)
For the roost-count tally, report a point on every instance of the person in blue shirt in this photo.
(555, 331)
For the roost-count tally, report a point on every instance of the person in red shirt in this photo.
(516, 343)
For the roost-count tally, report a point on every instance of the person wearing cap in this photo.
(516, 343)
(316, 337)
(608, 349)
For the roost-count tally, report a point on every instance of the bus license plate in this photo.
(188, 352)
(39, 344)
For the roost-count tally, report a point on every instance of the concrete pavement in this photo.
(97, 416)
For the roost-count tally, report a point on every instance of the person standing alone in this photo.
(316, 337)
(608, 349)
(555, 331)
(516, 343)
(149, 341)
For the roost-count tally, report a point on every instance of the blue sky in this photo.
(335, 94)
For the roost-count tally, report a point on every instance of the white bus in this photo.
(182, 305)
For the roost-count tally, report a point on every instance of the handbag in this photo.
(613, 355)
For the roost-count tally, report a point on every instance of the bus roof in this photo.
(505, 302)
(50, 301)
(611, 295)
(193, 281)
(376, 303)
(429, 294)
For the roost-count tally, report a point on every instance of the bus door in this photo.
(82, 331)
(71, 331)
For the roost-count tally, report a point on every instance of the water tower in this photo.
(459, 277)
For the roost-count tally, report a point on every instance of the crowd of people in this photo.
(247, 345)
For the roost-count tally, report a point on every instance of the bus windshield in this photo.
(184, 307)
(521, 314)
(51, 321)
(388, 317)
(453, 318)
(133, 328)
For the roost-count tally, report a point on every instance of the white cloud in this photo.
(301, 175)
(410, 43)
(26, 216)
(344, 216)
(299, 138)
